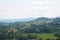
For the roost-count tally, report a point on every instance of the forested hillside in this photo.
(42, 28)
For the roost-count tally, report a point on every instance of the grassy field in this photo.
(43, 36)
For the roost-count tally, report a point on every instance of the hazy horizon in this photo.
(16, 9)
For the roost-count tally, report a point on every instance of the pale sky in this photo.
(16, 9)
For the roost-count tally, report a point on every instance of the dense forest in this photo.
(37, 29)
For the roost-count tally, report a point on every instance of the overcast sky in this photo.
(15, 9)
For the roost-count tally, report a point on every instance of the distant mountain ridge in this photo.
(30, 19)
(14, 20)
(33, 25)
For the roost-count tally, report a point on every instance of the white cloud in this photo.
(29, 8)
(40, 2)
(47, 8)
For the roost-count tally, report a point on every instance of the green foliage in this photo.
(38, 29)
